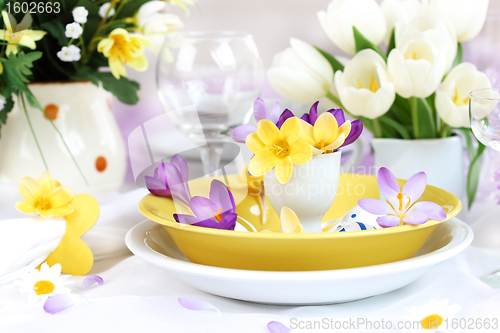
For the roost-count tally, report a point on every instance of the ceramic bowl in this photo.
(296, 252)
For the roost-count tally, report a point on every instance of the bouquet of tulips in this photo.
(72, 40)
(418, 88)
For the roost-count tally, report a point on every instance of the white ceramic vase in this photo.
(310, 191)
(441, 159)
(81, 111)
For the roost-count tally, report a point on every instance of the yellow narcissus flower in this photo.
(19, 34)
(326, 135)
(44, 196)
(277, 148)
(122, 48)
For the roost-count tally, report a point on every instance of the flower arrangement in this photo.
(75, 40)
(416, 89)
(280, 142)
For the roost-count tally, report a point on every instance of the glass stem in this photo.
(210, 157)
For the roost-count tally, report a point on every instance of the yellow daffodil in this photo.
(290, 223)
(277, 148)
(122, 48)
(44, 196)
(326, 135)
(19, 34)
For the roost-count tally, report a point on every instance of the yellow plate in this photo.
(297, 252)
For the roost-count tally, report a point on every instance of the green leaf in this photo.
(426, 124)
(9, 105)
(336, 65)
(17, 68)
(396, 126)
(362, 43)
(458, 58)
(473, 177)
(471, 151)
(131, 8)
(392, 42)
(124, 89)
(57, 30)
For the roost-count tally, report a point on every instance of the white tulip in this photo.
(300, 73)
(364, 87)
(342, 15)
(452, 99)
(399, 11)
(437, 29)
(154, 22)
(416, 66)
(467, 16)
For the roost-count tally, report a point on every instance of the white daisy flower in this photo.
(80, 14)
(104, 9)
(73, 30)
(432, 316)
(43, 283)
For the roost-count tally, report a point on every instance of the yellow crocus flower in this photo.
(19, 34)
(290, 223)
(277, 148)
(122, 48)
(44, 196)
(326, 135)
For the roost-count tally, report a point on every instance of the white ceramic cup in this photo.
(310, 191)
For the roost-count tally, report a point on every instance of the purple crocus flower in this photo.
(356, 125)
(260, 111)
(170, 180)
(218, 211)
(401, 205)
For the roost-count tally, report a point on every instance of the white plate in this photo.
(149, 241)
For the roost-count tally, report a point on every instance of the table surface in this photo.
(137, 296)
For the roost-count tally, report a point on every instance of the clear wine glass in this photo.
(207, 82)
(485, 123)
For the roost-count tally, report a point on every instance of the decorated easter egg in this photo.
(355, 219)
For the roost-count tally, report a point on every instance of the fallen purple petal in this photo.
(58, 303)
(196, 304)
(91, 280)
(277, 327)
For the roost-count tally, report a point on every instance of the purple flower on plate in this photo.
(218, 211)
(401, 205)
(260, 111)
(170, 179)
(356, 125)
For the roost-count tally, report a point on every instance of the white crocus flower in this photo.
(467, 16)
(69, 53)
(104, 10)
(416, 66)
(437, 29)
(342, 15)
(73, 30)
(452, 99)
(43, 283)
(300, 73)
(80, 15)
(364, 87)
(399, 11)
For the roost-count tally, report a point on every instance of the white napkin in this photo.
(23, 241)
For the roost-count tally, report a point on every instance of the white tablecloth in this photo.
(139, 297)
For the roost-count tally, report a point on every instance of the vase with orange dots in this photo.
(81, 112)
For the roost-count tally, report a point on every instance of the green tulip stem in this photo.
(377, 128)
(414, 116)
